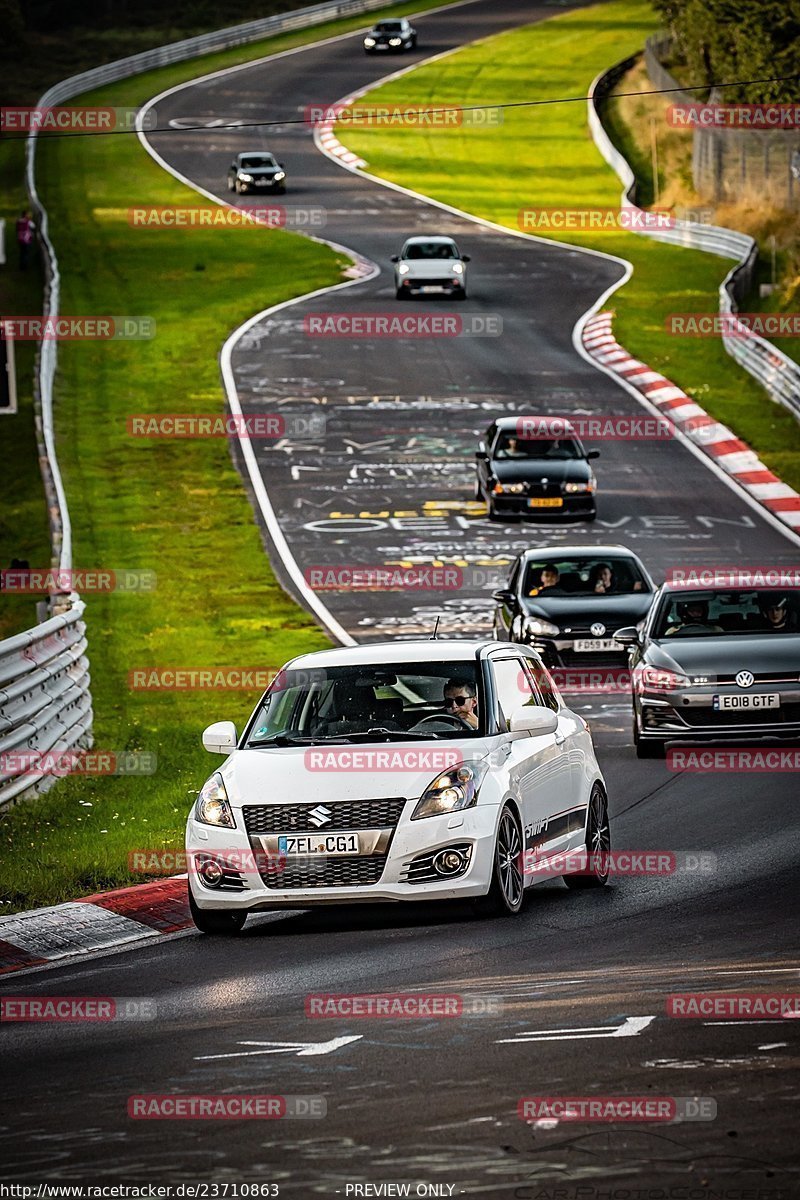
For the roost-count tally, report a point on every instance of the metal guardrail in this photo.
(773, 369)
(45, 703)
(45, 699)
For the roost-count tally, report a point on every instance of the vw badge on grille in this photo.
(598, 629)
(745, 679)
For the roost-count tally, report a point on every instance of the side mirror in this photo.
(629, 636)
(593, 454)
(220, 738)
(466, 258)
(281, 164)
(504, 596)
(233, 166)
(533, 718)
(481, 454)
(395, 258)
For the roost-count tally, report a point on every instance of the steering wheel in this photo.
(692, 625)
(456, 721)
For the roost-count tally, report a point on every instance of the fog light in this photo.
(448, 862)
(210, 872)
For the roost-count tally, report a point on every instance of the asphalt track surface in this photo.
(435, 1101)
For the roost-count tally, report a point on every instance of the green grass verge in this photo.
(175, 507)
(543, 157)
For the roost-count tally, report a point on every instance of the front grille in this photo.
(544, 489)
(327, 872)
(345, 815)
(765, 677)
(788, 714)
(593, 658)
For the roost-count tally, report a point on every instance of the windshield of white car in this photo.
(588, 575)
(691, 613)
(417, 701)
(508, 446)
(430, 250)
(254, 162)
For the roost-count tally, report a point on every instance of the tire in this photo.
(591, 517)
(231, 186)
(645, 749)
(460, 294)
(506, 894)
(493, 515)
(399, 294)
(216, 921)
(478, 492)
(597, 844)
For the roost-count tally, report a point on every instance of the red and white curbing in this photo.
(729, 452)
(328, 140)
(101, 922)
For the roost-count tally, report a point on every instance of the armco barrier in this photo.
(45, 702)
(773, 369)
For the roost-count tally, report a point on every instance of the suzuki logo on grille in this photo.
(320, 815)
(745, 679)
(598, 629)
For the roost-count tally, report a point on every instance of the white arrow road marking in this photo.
(629, 1028)
(302, 1049)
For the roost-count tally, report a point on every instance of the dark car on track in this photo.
(256, 172)
(566, 601)
(534, 476)
(715, 664)
(388, 36)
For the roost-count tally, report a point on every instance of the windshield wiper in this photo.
(281, 739)
(378, 733)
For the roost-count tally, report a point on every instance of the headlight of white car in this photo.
(536, 627)
(245, 178)
(213, 807)
(458, 268)
(453, 789)
(403, 269)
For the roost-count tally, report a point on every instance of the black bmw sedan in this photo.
(535, 476)
(566, 601)
(716, 664)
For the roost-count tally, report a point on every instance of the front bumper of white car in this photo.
(395, 860)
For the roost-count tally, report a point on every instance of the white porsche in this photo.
(399, 771)
(430, 265)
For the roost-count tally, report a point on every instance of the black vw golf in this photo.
(714, 664)
(525, 475)
(566, 601)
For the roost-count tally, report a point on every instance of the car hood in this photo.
(259, 172)
(324, 773)
(611, 611)
(531, 470)
(429, 268)
(727, 655)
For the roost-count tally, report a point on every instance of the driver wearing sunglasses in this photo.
(461, 700)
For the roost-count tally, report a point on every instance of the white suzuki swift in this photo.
(414, 770)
